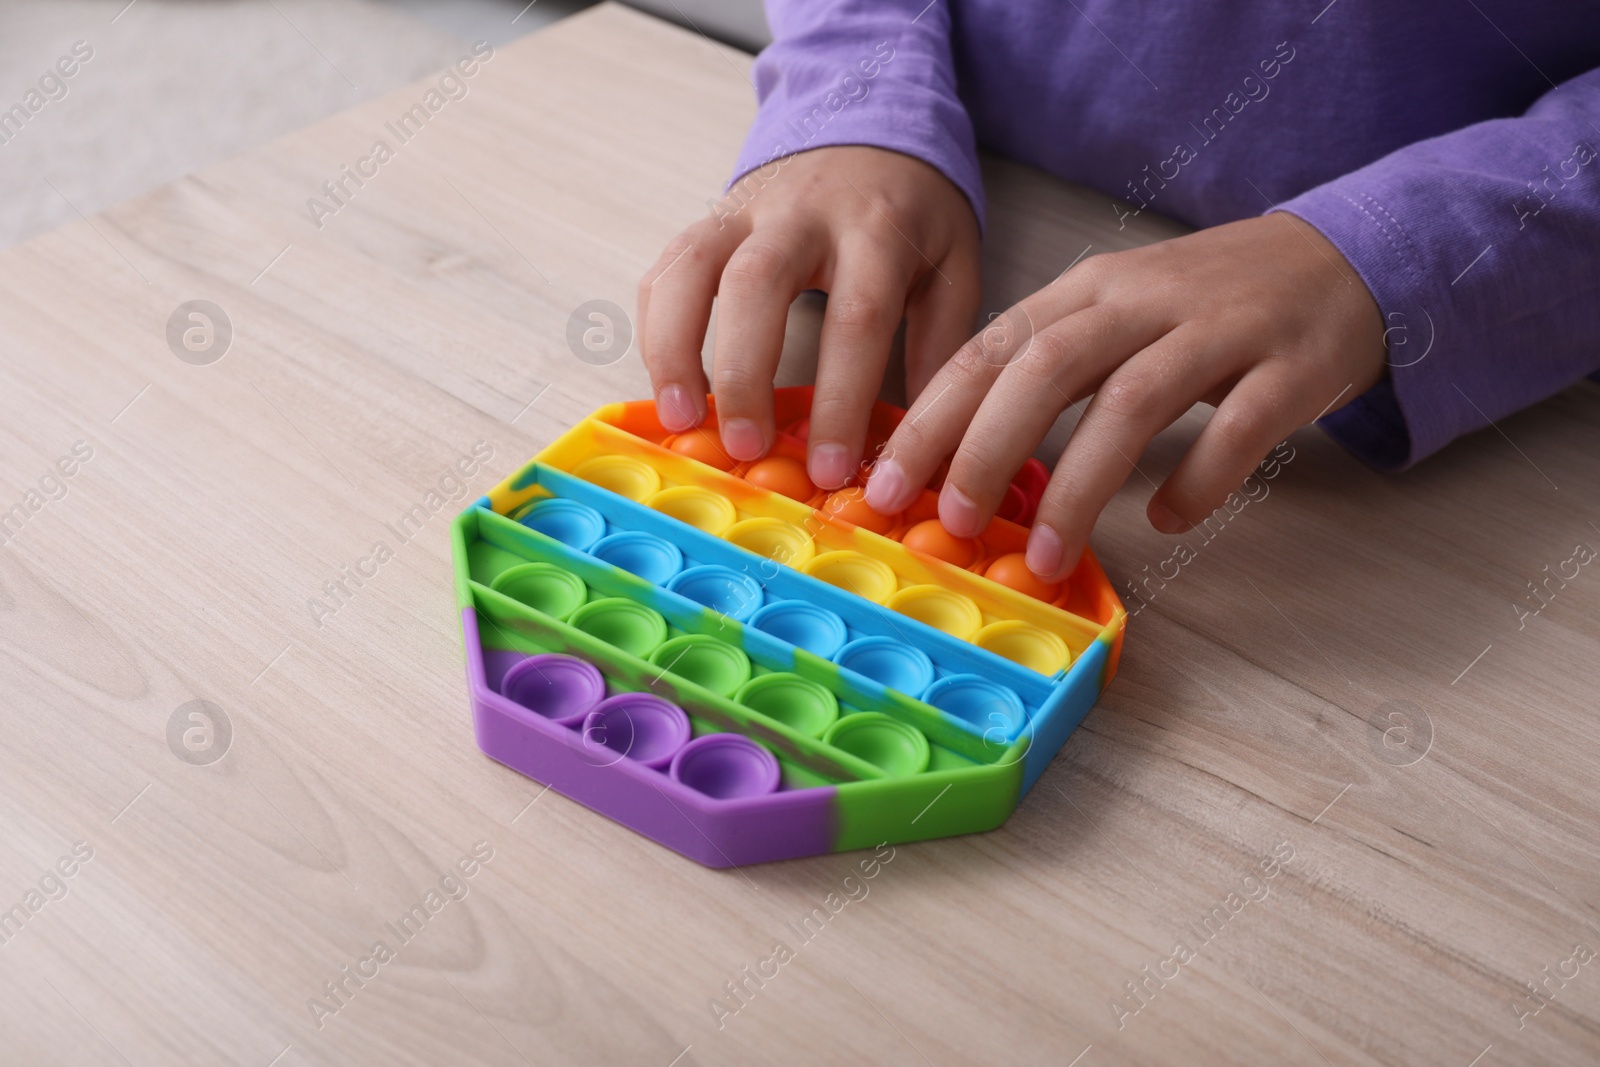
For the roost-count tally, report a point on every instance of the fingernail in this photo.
(958, 513)
(830, 465)
(885, 486)
(742, 438)
(1166, 520)
(675, 408)
(1044, 552)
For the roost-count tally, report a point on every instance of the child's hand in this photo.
(1262, 318)
(884, 234)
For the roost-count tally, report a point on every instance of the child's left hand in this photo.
(1262, 318)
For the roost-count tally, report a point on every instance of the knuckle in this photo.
(1057, 510)
(1043, 357)
(908, 440)
(738, 380)
(892, 230)
(880, 212)
(858, 313)
(1096, 272)
(1239, 429)
(683, 244)
(1130, 397)
(979, 360)
(704, 228)
(1063, 504)
(664, 357)
(684, 250)
(979, 470)
(1011, 328)
(755, 266)
(838, 421)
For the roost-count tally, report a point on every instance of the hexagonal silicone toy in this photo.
(740, 671)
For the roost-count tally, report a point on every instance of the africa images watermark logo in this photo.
(451, 886)
(199, 733)
(1401, 733)
(199, 332)
(51, 486)
(53, 87)
(450, 488)
(599, 332)
(339, 190)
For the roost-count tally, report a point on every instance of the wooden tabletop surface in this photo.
(1338, 807)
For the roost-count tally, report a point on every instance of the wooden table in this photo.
(1342, 678)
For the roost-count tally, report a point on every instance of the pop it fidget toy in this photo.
(746, 668)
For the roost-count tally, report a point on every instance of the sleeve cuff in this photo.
(1372, 428)
(896, 92)
(1403, 418)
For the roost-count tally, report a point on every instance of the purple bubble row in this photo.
(639, 726)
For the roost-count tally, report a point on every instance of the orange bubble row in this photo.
(784, 472)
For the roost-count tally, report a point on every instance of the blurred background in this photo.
(174, 85)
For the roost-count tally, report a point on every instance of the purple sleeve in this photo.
(1482, 248)
(862, 72)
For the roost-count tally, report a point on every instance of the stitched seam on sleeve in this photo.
(1403, 254)
(1410, 255)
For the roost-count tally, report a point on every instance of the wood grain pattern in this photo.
(429, 315)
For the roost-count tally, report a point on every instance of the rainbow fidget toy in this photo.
(744, 668)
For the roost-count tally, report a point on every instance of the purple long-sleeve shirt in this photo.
(1448, 148)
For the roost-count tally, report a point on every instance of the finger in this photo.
(939, 318)
(763, 276)
(942, 411)
(674, 307)
(1065, 362)
(1138, 400)
(1264, 408)
(865, 303)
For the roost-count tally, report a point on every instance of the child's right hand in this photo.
(885, 235)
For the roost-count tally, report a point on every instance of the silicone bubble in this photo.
(705, 661)
(573, 524)
(640, 726)
(779, 541)
(703, 443)
(697, 507)
(725, 766)
(623, 475)
(888, 662)
(645, 555)
(931, 538)
(850, 505)
(781, 474)
(561, 688)
(799, 703)
(1012, 571)
(543, 587)
(888, 744)
(802, 624)
(733, 593)
(940, 608)
(623, 624)
(864, 576)
(1022, 642)
(978, 701)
